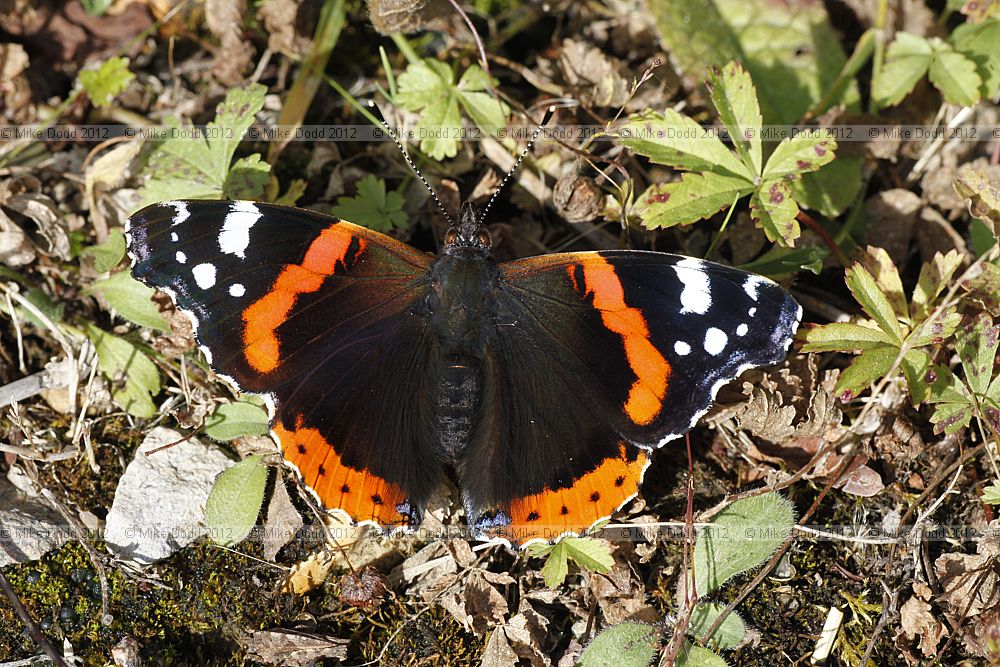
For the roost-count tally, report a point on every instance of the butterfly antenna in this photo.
(517, 163)
(406, 156)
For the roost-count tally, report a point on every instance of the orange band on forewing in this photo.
(651, 369)
(262, 319)
(593, 496)
(362, 495)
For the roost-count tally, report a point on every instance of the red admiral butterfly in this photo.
(542, 384)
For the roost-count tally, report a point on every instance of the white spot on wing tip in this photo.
(237, 289)
(742, 330)
(696, 295)
(682, 348)
(181, 209)
(204, 275)
(752, 285)
(715, 341)
(181, 257)
(235, 235)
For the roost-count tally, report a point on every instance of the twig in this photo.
(33, 630)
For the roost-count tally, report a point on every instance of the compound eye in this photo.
(484, 238)
(451, 236)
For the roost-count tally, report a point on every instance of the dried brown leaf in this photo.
(225, 19)
(917, 621)
(621, 597)
(406, 16)
(290, 25)
(282, 521)
(577, 198)
(593, 76)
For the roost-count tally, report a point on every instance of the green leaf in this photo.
(991, 494)
(694, 197)
(107, 255)
(586, 552)
(954, 407)
(791, 52)
(806, 151)
(373, 207)
(778, 263)
(936, 329)
(773, 209)
(485, 110)
(234, 503)
(131, 299)
(907, 60)
(874, 302)
(185, 167)
(247, 179)
(698, 656)
(864, 370)
(235, 420)
(134, 378)
(831, 189)
(38, 298)
(728, 635)
(295, 190)
(982, 195)
(976, 346)
(916, 365)
(628, 644)
(740, 537)
(955, 76)
(844, 336)
(978, 42)
(107, 81)
(878, 263)
(678, 141)
(735, 98)
(934, 277)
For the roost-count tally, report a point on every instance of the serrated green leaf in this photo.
(907, 60)
(831, 189)
(698, 656)
(235, 420)
(234, 503)
(740, 537)
(955, 76)
(247, 179)
(978, 42)
(934, 277)
(735, 98)
(131, 299)
(991, 494)
(628, 644)
(773, 209)
(694, 197)
(982, 195)
(107, 255)
(678, 141)
(864, 370)
(134, 378)
(586, 552)
(792, 53)
(916, 366)
(185, 167)
(935, 330)
(779, 263)
(806, 151)
(954, 407)
(728, 635)
(485, 110)
(295, 190)
(373, 207)
(428, 87)
(107, 81)
(976, 345)
(878, 263)
(867, 293)
(844, 337)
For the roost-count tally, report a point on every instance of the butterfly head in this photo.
(468, 236)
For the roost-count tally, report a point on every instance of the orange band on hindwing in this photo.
(593, 496)
(361, 494)
(652, 370)
(262, 348)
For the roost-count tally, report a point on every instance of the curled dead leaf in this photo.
(576, 198)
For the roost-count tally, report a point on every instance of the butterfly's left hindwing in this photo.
(634, 346)
(316, 314)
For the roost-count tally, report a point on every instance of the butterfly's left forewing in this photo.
(316, 314)
(634, 346)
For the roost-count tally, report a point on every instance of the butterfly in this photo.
(540, 385)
